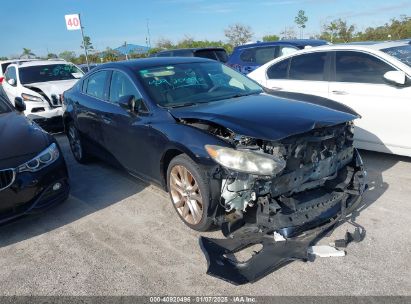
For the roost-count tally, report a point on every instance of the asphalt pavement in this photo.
(116, 235)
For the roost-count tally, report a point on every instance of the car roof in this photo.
(364, 45)
(152, 62)
(42, 62)
(295, 42)
(379, 45)
(193, 49)
(17, 60)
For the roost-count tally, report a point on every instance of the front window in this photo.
(359, 67)
(52, 72)
(192, 83)
(402, 53)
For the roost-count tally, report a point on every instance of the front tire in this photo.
(76, 144)
(189, 190)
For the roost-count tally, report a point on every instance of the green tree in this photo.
(27, 53)
(238, 34)
(68, 56)
(4, 58)
(301, 19)
(51, 56)
(339, 31)
(288, 33)
(110, 55)
(87, 44)
(164, 43)
(267, 38)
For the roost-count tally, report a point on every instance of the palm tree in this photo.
(27, 54)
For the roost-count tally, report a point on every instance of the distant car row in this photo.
(246, 58)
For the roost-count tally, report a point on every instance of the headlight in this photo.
(246, 161)
(28, 97)
(45, 158)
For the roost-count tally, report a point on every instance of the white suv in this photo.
(40, 84)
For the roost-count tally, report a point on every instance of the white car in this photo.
(374, 79)
(40, 84)
(4, 64)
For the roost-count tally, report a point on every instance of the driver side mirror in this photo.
(11, 82)
(19, 104)
(130, 103)
(395, 77)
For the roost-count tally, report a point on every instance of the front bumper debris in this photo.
(322, 214)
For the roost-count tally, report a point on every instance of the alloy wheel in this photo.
(186, 195)
(75, 143)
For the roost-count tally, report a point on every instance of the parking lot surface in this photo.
(116, 235)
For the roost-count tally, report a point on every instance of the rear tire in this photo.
(189, 190)
(76, 144)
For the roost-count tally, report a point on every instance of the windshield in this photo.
(194, 83)
(402, 53)
(52, 72)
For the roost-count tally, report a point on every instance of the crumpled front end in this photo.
(322, 181)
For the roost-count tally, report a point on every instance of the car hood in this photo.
(20, 139)
(52, 87)
(264, 116)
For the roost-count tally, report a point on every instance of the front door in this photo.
(359, 83)
(10, 90)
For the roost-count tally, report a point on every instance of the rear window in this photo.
(96, 84)
(218, 55)
(278, 70)
(308, 67)
(183, 53)
(52, 72)
(260, 55)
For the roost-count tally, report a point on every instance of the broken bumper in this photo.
(306, 220)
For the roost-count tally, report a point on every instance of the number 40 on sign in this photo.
(73, 22)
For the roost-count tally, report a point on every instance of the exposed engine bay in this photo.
(320, 180)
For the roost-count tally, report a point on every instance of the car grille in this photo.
(7, 177)
(56, 100)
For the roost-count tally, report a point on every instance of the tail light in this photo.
(1, 79)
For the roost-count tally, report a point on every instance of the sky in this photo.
(40, 25)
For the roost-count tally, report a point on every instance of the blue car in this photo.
(246, 58)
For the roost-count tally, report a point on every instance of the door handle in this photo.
(340, 92)
(276, 88)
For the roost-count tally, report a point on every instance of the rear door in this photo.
(306, 73)
(358, 82)
(93, 99)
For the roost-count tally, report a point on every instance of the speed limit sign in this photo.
(73, 22)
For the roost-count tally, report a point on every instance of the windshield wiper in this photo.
(187, 104)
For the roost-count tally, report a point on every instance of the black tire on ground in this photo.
(203, 183)
(76, 144)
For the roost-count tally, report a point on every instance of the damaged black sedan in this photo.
(228, 153)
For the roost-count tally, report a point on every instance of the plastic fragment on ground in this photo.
(325, 251)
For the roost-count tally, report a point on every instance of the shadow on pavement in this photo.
(94, 186)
